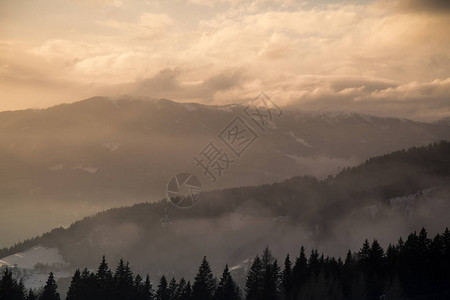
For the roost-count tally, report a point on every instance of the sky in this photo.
(386, 57)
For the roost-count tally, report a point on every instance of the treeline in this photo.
(418, 268)
(304, 201)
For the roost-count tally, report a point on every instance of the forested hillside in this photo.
(386, 196)
(417, 268)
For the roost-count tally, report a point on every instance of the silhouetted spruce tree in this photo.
(74, 292)
(162, 293)
(255, 279)
(173, 289)
(313, 263)
(299, 273)
(186, 293)
(123, 281)
(286, 278)
(50, 289)
(104, 278)
(88, 286)
(348, 274)
(446, 254)
(148, 293)
(10, 288)
(204, 285)
(375, 270)
(436, 262)
(363, 254)
(31, 295)
(21, 289)
(138, 288)
(227, 288)
(181, 286)
(271, 276)
(392, 255)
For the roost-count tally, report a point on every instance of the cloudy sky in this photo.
(380, 57)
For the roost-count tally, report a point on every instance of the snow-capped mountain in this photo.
(72, 160)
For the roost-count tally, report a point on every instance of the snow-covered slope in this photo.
(31, 257)
(34, 265)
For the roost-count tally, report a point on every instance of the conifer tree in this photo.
(204, 283)
(227, 288)
(173, 289)
(123, 281)
(9, 288)
(50, 289)
(148, 293)
(313, 263)
(163, 292)
(181, 286)
(31, 295)
(21, 289)
(299, 272)
(104, 278)
(74, 292)
(186, 294)
(364, 251)
(286, 278)
(138, 288)
(255, 279)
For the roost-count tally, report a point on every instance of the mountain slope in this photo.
(385, 197)
(73, 160)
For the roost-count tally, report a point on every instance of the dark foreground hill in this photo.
(385, 197)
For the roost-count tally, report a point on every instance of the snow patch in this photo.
(29, 258)
(190, 106)
(299, 139)
(34, 264)
(88, 169)
(408, 202)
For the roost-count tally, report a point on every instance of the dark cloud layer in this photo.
(436, 6)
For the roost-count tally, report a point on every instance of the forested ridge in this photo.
(305, 200)
(415, 268)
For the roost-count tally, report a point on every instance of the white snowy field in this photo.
(34, 265)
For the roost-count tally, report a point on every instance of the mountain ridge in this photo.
(91, 155)
(316, 211)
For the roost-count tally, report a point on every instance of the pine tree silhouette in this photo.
(104, 280)
(123, 281)
(286, 278)
(50, 289)
(9, 288)
(163, 292)
(186, 293)
(204, 283)
(31, 295)
(173, 289)
(74, 292)
(227, 288)
(255, 278)
(299, 273)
